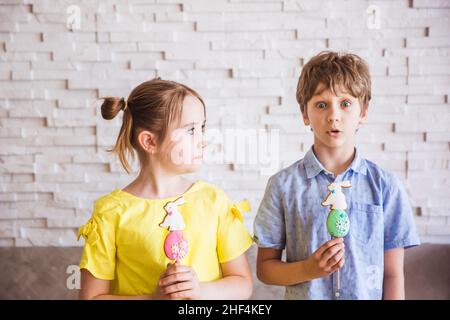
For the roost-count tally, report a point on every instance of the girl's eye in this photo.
(203, 129)
(346, 104)
(191, 131)
(321, 105)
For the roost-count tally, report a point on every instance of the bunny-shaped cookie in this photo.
(173, 220)
(175, 245)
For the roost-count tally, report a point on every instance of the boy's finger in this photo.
(329, 244)
(335, 259)
(330, 252)
(338, 265)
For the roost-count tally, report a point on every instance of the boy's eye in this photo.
(321, 105)
(346, 104)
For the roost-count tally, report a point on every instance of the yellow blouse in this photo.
(125, 243)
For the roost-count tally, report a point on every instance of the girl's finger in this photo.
(174, 268)
(175, 277)
(177, 287)
(187, 294)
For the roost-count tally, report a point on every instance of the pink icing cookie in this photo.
(175, 246)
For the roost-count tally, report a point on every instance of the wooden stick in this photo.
(338, 289)
(337, 294)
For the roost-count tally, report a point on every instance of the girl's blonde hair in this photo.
(153, 105)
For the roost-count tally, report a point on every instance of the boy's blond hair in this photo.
(334, 71)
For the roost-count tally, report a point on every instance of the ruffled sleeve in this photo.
(99, 253)
(233, 238)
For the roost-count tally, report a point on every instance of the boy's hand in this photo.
(327, 259)
(180, 282)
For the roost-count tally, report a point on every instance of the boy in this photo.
(333, 92)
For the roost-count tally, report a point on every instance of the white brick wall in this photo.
(244, 57)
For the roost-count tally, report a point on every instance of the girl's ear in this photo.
(147, 141)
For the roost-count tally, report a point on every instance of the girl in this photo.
(124, 253)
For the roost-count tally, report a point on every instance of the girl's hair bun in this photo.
(112, 106)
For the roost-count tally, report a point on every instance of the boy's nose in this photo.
(334, 114)
(333, 119)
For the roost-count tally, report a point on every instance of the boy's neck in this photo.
(335, 160)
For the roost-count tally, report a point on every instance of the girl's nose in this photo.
(202, 144)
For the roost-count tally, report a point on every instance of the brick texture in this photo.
(244, 57)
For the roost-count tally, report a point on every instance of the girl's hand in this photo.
(180, 282)
(327, 259)
(159, 294)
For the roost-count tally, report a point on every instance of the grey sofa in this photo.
(45, 273)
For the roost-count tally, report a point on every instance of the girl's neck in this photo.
(156, 183)
(335, 160)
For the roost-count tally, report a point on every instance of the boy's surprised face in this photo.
(182, 150)
(334, 117)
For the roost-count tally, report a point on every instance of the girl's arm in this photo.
(270, 269)
(181, 282)
(236, 283)
(93, 288)
(394, 279)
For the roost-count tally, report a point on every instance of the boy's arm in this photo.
(393, 280)
(323, 262)
(271, 270)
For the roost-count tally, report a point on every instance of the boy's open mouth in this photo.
(334, 132)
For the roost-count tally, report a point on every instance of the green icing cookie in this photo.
(338, 223)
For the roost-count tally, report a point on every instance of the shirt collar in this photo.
(313, 166)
